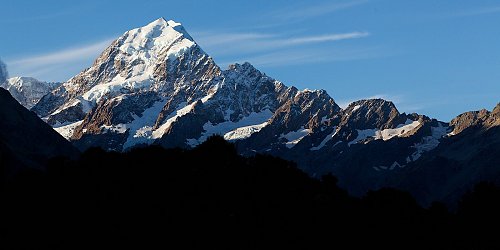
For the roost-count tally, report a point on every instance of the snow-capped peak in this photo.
(139, 52)
(22, 82)
(156, 37)
(28, 90)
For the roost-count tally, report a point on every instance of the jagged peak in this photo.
(370, 104)
(245, 74)
(25, 81)
(373, 113)
(313, 92)
(23, 78)
(244, 67)
(162, 22)
(496, 109)
(155, 37)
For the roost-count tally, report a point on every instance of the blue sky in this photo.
(438, 58)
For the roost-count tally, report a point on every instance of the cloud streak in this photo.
(326, 38)
(477, 12)
(307, 56)
(242, 43)
(63, 56)
(52, 66)
(209, 39)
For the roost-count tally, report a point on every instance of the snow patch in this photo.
(362, 135)
(67, 130)
(391, 167)
(385, 134)
(244, 132)
(325, 140)
(355, 108)
(234, 130)
(429, 143)
(158, 133)
(324, 119)
(295, 137)
(141, 128)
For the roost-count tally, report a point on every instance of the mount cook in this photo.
(155, 85)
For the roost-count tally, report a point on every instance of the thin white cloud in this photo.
(477, 12)
(327, 38)
(65, 55)
(58, 65)
(243, 43)
(308, 56)
(304, 12)
(209, 39)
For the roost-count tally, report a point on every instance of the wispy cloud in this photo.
(65, 55)
(325, 38)
(242, 43)
(473, 12)
(210, 39)
(476, 12)
(54, 65)
(304, 12)
(308, 56)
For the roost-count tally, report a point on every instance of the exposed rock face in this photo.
(482, 118)
(25, 140)
(374, 113)
(27, 90)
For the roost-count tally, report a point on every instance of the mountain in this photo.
(27, 90)
(26, 140)
(155, 85)
(137, 82)
(470, 154)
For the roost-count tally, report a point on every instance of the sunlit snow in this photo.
(234, 130)
(327, 139)
(295, 137)
(356, 108)
(429, 143)
(244, 132)
(385, 134)
(67, 130)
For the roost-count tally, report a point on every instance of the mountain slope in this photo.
(25, 140)
(469, 155)
(27, 90)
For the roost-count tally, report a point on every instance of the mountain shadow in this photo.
(211, 197)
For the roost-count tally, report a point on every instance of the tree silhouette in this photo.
(211, 197)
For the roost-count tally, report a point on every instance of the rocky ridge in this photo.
(27, 90)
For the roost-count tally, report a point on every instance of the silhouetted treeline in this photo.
(211, 198)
